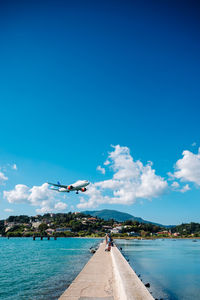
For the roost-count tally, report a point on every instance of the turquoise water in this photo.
(172, 267)
(34, 270)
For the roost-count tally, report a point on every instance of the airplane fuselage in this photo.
(79, 185)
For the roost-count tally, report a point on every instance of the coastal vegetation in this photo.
(85, 225)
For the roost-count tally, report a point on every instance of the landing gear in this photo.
(76, 192)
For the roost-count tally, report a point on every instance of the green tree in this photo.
(42, 227)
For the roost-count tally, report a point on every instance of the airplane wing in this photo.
(59, 185)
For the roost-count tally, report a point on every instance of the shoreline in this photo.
(114, 238)
(52, 237)
(157, 238)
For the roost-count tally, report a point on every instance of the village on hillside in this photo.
(80, 225)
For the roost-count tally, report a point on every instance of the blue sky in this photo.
(76, 78)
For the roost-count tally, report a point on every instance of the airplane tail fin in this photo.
(58, 182)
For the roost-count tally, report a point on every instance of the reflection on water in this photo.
(172, 267)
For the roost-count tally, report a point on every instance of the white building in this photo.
(133, 233)
(36, 224)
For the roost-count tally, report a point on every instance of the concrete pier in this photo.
(107, 276)
(128, 285)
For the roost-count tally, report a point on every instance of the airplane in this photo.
(79, 185)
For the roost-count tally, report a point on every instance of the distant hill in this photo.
(107, 214)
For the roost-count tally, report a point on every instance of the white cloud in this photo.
(175, 185)
(20, 194)
(41, 196)
(14, 167)
(60, 206)
(170, 176)
(106, 163)
(188, 167)
(185, 188)
(8, 210)
(131, 181)
(43, 210)
(95, 198)
(100, 169)
(3, 177)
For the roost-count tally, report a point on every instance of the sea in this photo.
(35, 270)
(171, 266)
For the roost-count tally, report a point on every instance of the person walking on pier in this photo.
(109, 242)
(106, 238)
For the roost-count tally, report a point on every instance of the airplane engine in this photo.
(84, 189)
(70, 187)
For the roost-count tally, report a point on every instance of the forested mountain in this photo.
(118, 216)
